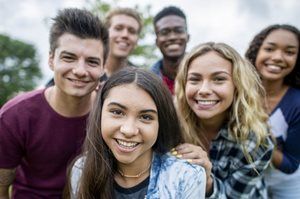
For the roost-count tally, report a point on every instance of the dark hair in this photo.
(170, 10)
(100, 165)
(80, 23)
(293, 78)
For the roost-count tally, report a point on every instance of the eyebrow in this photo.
(74, 55)
(274, 44)
(125, 108)
(215, 73)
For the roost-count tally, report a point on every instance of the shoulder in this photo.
(292, 97)
(171, 165)
(22, 101)
(76, 172)
(156, 67)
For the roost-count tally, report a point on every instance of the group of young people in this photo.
(203, 124)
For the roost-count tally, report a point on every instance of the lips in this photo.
(126, 146)
(78, 82)
(206, 104)
(274, 68)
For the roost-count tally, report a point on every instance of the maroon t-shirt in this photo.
(40, 143)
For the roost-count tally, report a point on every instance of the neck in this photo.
(68, 106)
(114, 64)
(170, 67)
(273, 88)
(211, 127)
(129, 175)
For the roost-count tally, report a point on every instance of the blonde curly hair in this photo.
(246, 113)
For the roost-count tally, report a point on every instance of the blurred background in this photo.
(25, 25)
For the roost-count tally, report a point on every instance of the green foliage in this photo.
(144, 52)
(19, 70)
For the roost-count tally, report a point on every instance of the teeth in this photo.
(173, 46)
(206, 102)
(127, 144)
(275, 68)
(123, 44)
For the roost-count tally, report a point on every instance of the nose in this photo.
(125, 32)
(129, 128)
(204, 88)
(277, 55)
(80, 69)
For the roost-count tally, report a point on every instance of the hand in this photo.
(196, 155)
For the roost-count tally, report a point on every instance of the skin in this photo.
(126, 120)
(276, 58)
(173, 45)
(6, 179)
(77, 65)
(209, 93)
(123, 37)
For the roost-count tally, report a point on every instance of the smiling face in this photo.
(209, 89)
(77, 64)
(129, 124)
(171, 36)
(123, 35)
(277, 56)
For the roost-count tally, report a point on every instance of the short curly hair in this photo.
(292, 79)
(170, 10)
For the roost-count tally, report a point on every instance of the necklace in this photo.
(134, 176)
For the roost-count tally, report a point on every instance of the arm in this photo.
(7, 177)
(195, 182)
(196, 155)
(286, 157)
(241, 179)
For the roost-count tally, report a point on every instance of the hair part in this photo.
(246, 113)
(124, 11)
(80, 23)
(293, 78)
(167, 11)
(100, 165)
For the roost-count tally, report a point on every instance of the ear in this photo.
(188, 38)
(51, 60)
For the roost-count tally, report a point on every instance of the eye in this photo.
(193, 79)
(290, 52)
(117, 112)
(118, 28)
(132, 31)
(164, 32)
(93, 63)
(268, 49)
(67, 58)
(219, 79)
(147, 117)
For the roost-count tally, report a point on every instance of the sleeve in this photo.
(75, 176)
(11, 144)
(195, 180)
(243, 181)
(290, 147)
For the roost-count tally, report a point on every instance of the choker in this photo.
(134, 176)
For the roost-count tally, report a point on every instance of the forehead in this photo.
(130, 95)
(170, 21)
(210, 62)
(123, 19)
(87, 47)
(283, 37)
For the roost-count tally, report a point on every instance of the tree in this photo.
(19, 69)
(143, 54)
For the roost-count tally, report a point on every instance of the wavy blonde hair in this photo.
(246, 113)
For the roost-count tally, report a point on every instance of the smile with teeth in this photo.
(126, 144)
(207, 102)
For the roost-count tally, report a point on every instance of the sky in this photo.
(234, 22)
